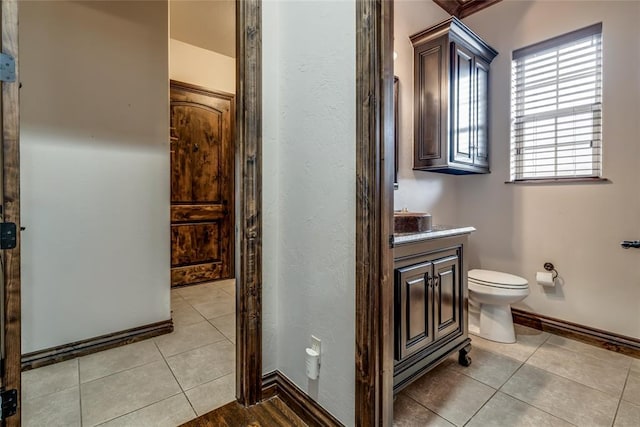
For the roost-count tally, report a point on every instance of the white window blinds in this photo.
(556, 107)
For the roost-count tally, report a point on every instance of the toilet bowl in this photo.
(491, 294)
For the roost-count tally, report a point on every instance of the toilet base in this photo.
(496, 324)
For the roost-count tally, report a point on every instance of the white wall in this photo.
(309, 166)
(417, 190)
(94, 168)
(201, 67)
(577, 227)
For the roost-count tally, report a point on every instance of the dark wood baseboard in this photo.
(276, 384)
(64, 352)
(597, 337)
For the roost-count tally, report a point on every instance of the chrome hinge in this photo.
(8, 403)
(7, 68)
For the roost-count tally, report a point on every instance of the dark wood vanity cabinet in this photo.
(451, 99)
(430, 313)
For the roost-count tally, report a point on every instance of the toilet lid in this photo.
(497, 279)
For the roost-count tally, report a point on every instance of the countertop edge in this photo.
(440, 232)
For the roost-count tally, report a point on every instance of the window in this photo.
(556, 107)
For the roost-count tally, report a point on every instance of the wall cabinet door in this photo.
(414, 309)
(447, 291)
(481, 111)
(430, 106)
(462, 105)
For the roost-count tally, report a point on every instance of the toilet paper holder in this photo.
(549, 267)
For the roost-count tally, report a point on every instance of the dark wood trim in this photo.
(276, 384)
(248, 168)
(461, 9)
(11, 209)
(81, 348)
(597, 337)
(374, 213)
(202, 90)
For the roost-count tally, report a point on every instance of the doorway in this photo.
(138, 149)
(201, 184)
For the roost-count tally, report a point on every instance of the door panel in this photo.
(447, 296)
(462, 104)
(195, 243)
(197, 153)
(482, 111)
(415, 311)
(201, 185)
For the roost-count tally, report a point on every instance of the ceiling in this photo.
(209, 24)
(462, 8)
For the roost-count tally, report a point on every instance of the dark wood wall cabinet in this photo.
(430, 307)
(451, 99)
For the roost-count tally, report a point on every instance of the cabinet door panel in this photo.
(414, 309)
(482, 113)
(447, 296)
(462, 104)
(429, 103)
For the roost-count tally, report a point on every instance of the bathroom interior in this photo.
(501, 234)
(536, 245)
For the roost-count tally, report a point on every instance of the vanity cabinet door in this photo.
(414, 309)
(448, 299)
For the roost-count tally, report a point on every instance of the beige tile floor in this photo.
(542, 380)
(163, 381)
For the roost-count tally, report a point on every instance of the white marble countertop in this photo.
(438, 231)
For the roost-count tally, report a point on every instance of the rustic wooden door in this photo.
(202, 185)
(10, 196)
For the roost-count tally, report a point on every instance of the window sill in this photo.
(561, 181)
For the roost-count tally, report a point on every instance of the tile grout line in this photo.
(136, 410)
(495, 391)
(589, 356)
(178, 382)
(523, 363)
(128, 369)
(626, 380)
(550, 373)
(407, 395)
(80, 392)
(195, 348)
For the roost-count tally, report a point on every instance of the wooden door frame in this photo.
(11, 208)
(248, 209)
(375, 162)
(248, 256)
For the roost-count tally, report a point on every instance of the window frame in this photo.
(516, 159)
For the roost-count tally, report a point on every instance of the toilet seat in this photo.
(496, 279)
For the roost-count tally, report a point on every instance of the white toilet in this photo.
(491, 294)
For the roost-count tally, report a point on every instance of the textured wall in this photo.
(577, 227)
(201, 67)
(310, 133)
(94, 168)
